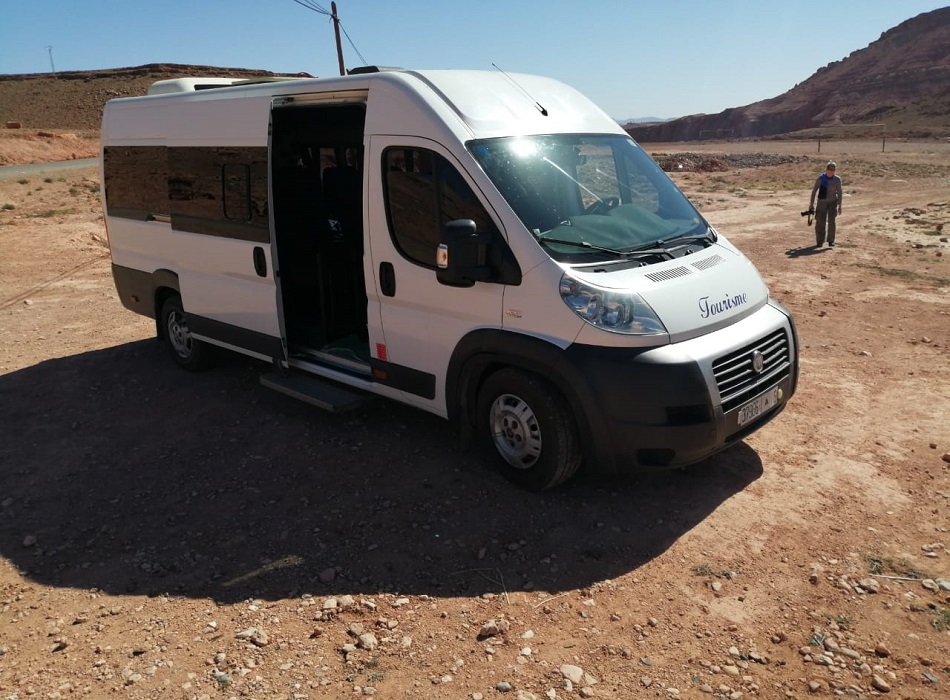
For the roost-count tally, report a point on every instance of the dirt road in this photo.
(168, 535)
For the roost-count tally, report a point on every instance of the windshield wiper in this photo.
(634, 253)
(647, 249)
(582, 244)
(709, 235)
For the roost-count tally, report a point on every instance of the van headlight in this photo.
(617, 312)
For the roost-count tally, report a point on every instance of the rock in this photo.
(327, 575)
(881, 650)
(930, 584)
(255, 636)
(574, 674)
(814, 686)
(870, 585)
(880, 684)
(503, 687)
(222, 679)
(493, 628)
(525, 695)
(29, 540)
(368, 641)
(943, 584)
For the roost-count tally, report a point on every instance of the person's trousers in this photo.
(826, 210)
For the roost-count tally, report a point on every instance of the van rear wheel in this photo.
(188, 352)
(526, 423)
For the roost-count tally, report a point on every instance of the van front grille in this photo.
(736, 374)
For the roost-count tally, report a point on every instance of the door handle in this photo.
(387, 279)
(260, 262)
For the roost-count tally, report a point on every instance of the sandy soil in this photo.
(169, 535)
(21, 147)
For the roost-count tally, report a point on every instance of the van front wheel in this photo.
(188, 352)
(526, 423)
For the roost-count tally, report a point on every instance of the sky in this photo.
(635, 58)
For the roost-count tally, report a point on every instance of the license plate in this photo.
(759, 405)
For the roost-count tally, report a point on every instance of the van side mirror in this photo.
(463, 255)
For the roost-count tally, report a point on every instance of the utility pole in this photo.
(50, 49)
(336, 31)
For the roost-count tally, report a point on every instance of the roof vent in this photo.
(165, 87)
(360, 70)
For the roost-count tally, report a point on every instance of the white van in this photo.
(490, 248)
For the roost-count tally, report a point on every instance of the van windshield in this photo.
(589, 197)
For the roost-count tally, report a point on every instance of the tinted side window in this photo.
(423, 193)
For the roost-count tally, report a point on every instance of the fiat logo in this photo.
(758, 362)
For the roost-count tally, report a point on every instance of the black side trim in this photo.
(412, 381)
(262, 344)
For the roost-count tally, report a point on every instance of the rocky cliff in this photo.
(901, 80)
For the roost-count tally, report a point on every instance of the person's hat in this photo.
(831, 165)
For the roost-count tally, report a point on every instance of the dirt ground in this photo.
(170, 535)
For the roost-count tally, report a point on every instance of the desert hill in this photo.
(902, 80)
(73, 100)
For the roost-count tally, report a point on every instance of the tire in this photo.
(526, 423)
(189, 353)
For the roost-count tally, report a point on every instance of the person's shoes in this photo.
(830, 244)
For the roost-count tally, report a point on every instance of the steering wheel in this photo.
(603, 205)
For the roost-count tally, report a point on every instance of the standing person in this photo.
(828, 189)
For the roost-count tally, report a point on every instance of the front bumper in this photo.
(679, 404)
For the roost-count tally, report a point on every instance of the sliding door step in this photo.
(317, 392)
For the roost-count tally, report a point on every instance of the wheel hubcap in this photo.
(515, 431)
(178, 334)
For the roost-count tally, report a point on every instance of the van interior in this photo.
(317, 176)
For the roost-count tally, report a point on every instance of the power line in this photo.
(337, 26)
(311, 5)
(347, 34)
